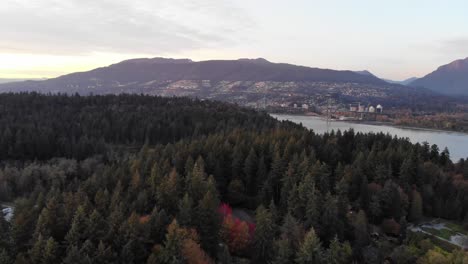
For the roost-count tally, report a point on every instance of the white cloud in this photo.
(84, 26)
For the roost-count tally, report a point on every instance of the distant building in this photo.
(371, 109)
(295, 105)
(379, 109)
(305, 106)
(361, 108)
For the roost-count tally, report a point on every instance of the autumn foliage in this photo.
(237, 234)
(182, 245)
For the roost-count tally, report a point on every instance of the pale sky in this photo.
(393, 39)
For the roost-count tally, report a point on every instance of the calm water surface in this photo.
(457, 143)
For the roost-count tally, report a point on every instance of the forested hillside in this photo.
(140, 179)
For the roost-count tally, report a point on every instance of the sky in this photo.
(394, 39)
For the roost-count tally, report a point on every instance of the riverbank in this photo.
(456, 142)
(374, 123)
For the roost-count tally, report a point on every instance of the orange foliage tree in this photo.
(237, 234)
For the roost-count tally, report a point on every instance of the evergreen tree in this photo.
(171, 252)
(36, 252)
(338, 253)
(50, 254)
(264, 236)
(168, 192)
(184, 216)
(208, 222)
(250, 171)
(408, 172)
(79, 228)
(197, 183)
(310, 250)
(284, 253)
(74, 256)
(330, 224)
(361, 233)
(416, 208)
(292, 231)
(97, 227)
(374, 209)
(103, 255)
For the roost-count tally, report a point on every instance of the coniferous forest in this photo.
(142, 179)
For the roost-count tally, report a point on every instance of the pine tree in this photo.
(264, 236)
(208, 222)
(364, 198)
(157, 225)
(416, 209)
(312, 204)
(78, 231)
(50, 253)
(275, 175)
(310, 251)
(330, 224)
(102, 200)
(283, 254)
(408, 173)
(74, 256)
(295, 205)
(275, 215)
(103, 254)
(361, 233)
(382, 173)
(184, 217)
(196, 184)
(47, 221)
(96, 226)
(250, 171)
(390, 200)
(262, 171)
(237, 162)
(338, 253)
(168, 191)
(171, 253)
(374, 209)
(35, 253)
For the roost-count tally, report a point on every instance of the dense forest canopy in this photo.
(141, 179)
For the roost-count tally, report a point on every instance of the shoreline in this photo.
(377, 123)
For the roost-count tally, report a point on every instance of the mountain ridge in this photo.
(148, 69)
(450, 79)
(244, 81)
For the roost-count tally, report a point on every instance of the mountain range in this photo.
(244, 81)
(450, 79)
(142, 71)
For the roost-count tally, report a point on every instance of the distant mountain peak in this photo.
(156, 60)
(458, 65)
(449, 79)
(365, 72)
(257, 60)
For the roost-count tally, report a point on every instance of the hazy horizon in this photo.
(397, 40)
